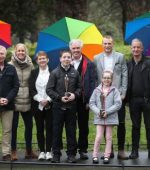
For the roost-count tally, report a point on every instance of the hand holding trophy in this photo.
(102, 110)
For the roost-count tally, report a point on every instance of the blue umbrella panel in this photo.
(52, 46)
(139, 28)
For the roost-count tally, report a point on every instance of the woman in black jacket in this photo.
(41, 105)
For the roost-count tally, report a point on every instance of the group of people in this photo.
(66, 94)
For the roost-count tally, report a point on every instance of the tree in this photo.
(22, 15)
(132, 9)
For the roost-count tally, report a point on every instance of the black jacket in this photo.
(56, 86)
(9, 86)
(32, 88)
(145, 69)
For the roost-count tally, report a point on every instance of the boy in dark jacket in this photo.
(64, 87)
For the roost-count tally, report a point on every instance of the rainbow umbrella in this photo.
(5, 34)
(57, 36)
(139, 28)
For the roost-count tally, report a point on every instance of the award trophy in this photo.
(102, 99)
(66, 79)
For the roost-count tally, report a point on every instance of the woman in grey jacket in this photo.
(24, 66)
(105, 102)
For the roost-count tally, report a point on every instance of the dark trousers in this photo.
(121, 132)
(137, 107)
(28, 123)
(43, 120)
(83, 125)
(61, 117)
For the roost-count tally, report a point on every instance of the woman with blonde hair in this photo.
(24, 66)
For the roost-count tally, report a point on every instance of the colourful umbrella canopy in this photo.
(57, 36)
(139, 28)
(5, 34)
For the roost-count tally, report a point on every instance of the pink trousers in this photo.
(99, 135)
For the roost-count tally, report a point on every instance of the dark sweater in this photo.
(137, 81)
(140, 84)
(9, 86)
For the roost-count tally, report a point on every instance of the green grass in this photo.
(128, 140)
(120, 47)
(92, 128)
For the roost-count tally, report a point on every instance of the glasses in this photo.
(107, 78)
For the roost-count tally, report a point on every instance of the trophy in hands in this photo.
(102, 110)
(66, 79)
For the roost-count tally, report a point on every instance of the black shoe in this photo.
(84, 156)
(148, 154)
(112, 155)
(95, 160)
(56, 159)
(134, 155)
(71, 159)
(106, 160)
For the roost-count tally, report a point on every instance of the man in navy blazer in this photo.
(87, 72)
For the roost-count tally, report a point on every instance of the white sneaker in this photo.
(48, 156)
(42, 156)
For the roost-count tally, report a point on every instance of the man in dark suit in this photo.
(87, 72)
(138, 95)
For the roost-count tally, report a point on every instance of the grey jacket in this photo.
(120, 73)
(22, 100)
(112, 105)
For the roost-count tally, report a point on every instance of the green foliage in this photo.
(125, 49)
(22, 15)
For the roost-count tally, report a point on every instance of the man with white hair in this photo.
(87, 72)
(9, 85)
(115, 61)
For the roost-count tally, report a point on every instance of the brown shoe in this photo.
(30, 155)
(14, 156)
(122, 155)
(6, 157)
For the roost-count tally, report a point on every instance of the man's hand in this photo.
(3, 101)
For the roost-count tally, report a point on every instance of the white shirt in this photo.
(108, 62)
(40, 85)
(76, 63)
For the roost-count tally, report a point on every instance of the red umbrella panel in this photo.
(5, 34)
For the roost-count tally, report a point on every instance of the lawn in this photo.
(119, 46)
(21, 141)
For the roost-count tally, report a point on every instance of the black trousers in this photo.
(61, 117)
(121, 131)
(43, 120)
(137, 108)
(83, 125)
(28, 123)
